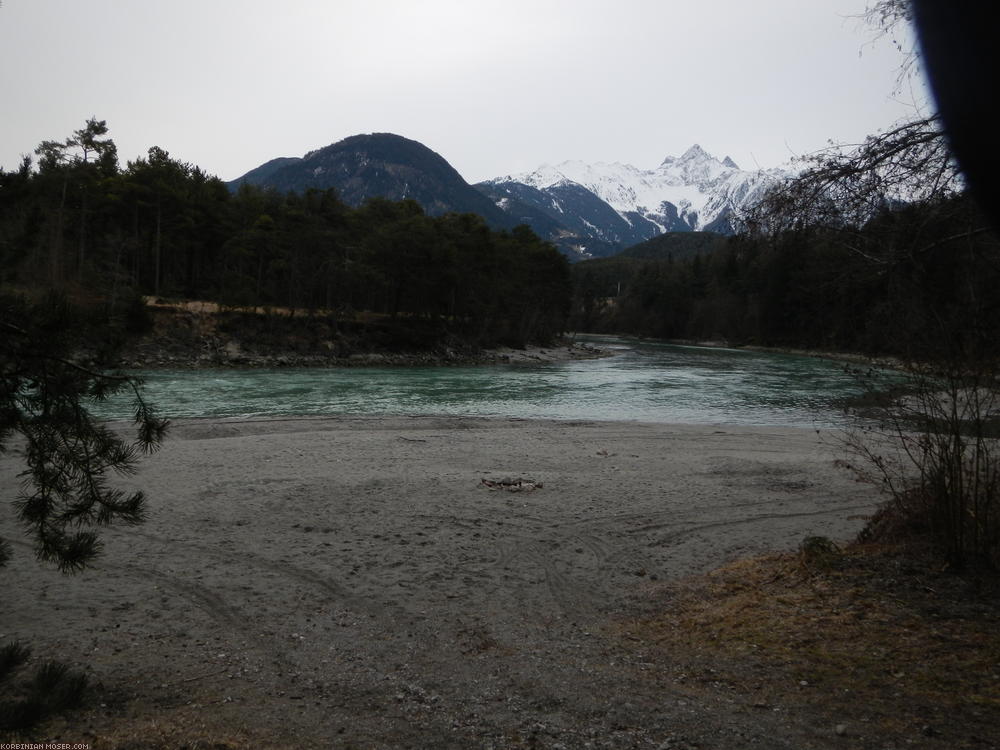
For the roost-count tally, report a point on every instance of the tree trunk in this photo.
(55, 251)
(157, 248)
(83, 235)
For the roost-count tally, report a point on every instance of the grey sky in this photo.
(494, 87)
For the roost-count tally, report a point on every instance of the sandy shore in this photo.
(353, 582)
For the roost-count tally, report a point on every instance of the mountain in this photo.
(260, 175)
(602, 208)
(382, 165)
(587, 210)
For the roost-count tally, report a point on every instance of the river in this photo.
(644, 381)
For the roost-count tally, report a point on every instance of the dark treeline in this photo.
(913, 282)
(76, 220)
(915, 276)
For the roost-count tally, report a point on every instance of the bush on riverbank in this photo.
(932, 446)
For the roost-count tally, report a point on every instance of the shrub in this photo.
(933, 447)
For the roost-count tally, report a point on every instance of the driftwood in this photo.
(512, 485)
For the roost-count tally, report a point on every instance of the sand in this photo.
(353, 582)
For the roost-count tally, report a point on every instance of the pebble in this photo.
(841, 730)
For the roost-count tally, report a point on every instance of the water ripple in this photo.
(644, 382)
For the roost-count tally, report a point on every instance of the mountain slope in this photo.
(260, 175)
(693, 192)
(567, 214)
(379, 165)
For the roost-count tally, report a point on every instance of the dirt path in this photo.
(352, 582)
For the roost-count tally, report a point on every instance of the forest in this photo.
(75, 220)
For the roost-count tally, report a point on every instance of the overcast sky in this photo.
(494, 87)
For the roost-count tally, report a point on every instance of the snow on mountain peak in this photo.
(695, 152)
(695, 190)
(693, 156)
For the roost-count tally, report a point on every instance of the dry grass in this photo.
(865, 634)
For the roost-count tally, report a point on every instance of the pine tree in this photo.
(46, 385)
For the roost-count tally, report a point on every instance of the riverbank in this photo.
(851, 357)
(193, 335)
(424, 582)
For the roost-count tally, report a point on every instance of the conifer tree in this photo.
(46, 385)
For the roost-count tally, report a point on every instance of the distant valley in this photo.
(587, 210)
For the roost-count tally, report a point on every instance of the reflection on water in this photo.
(642, 381)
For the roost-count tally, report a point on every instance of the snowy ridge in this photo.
(694, 191)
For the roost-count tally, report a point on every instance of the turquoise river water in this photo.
(642, 381)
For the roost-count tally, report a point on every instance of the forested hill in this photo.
(676, 245)
(380, 165)
(78, 221)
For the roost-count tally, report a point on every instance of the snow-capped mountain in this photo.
(587, 210)
(604, 207)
